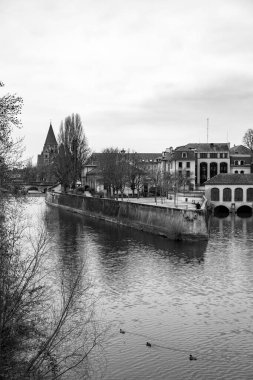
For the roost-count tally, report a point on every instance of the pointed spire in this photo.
(50, 140)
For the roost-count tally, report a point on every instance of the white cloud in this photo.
(156, 69)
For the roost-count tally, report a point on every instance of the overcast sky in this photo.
(143, 74)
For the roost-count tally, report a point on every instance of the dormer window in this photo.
(184, 155)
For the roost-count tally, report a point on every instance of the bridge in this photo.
(42, 187)
(230, 192)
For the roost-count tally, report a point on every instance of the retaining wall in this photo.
(173, 223)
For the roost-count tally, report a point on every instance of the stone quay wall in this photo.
(171, 222)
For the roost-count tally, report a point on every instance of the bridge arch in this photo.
(244, 211)
(221, 211)
(34, 188)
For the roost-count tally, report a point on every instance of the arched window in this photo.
(242, 171)
(203, 172)
(223, 167)
(250, 194)
(236, 171)
(213, 169)
(238, 194)
(215, 194)
(226, 195)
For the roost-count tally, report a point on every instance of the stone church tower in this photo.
(49, 150)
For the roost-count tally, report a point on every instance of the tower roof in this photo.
(50, 140)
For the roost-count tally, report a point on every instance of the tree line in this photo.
(120, 169)
(44, 334)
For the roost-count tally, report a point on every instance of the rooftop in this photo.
(240, 149)
(205, 147)
(231, 179)
(50, 139)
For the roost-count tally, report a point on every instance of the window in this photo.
(225, 155)
(180, 164)
(242, 162)
(236, 163)
(188, 164)
(203, 155)
(215, 194)
(184, 155)
(238, 195)
(242, 171)
(226, 195)
(250, 194)
(203, 172)
(188, 173)
(213, 169)
(223, 167)
(236, 171)
(213, 155)
(221, 155)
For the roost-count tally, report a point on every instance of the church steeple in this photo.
(50, 140)
(49, 150)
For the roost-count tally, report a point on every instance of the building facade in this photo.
(240, 160)
(232, 191)
(201, 161)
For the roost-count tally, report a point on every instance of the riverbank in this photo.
(171, 222)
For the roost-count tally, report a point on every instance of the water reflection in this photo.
(195, 297)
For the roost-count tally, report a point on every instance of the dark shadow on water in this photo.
(221, 212)
(244, 212)
(118, 240)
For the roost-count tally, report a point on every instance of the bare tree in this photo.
(73, 151)
(137, 173)
(10, 150)
(37, 340)
(248, 139)
(155, 176)
(40, 336)
(114, 166)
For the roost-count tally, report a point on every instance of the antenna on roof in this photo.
(207, 127)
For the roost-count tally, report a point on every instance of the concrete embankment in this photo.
(173, 223)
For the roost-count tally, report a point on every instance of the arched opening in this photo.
(203, 172)
(221, 211)
(244, 211)
(215, 194)
(213, 169)
(227, 194)
(33, 188)
(250, 194)
(223, 167)
(238, 194)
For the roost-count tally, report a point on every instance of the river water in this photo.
(183, 298)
